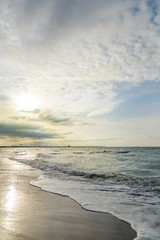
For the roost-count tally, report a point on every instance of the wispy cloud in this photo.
(49, 117)
(40, 116)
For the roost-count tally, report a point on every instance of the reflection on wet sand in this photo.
(10, 205)
(10, 199)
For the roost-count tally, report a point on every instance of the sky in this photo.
(80, 72)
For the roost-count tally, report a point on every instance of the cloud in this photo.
(24, 131)
(40, 116)
(4, 101)
(87, 40)
(73, 55)
(38, 21)
(48, 117)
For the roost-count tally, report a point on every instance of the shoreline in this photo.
(32, 213)
(72, 199)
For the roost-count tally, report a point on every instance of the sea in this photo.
(122, 181)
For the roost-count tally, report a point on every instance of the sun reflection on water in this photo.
(10, 199)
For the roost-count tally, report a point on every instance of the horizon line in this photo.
(50, 146)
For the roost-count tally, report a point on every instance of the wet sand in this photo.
(27, 212)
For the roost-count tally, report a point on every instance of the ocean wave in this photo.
(121, 152)
(62, 170)
(55, 153)
(41, 155)
(105, 151)
(111, 152)
(78, 152)
(113, 178)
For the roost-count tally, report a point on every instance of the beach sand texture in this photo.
(27, 212)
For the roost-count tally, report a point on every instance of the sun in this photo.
(27, 102)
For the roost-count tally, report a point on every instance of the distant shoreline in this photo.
(17, 146)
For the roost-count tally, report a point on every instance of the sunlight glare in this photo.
(27, 102)
(11, 197)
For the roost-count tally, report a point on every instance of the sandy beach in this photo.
(27, 212)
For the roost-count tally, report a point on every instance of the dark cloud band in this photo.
(24, 131)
